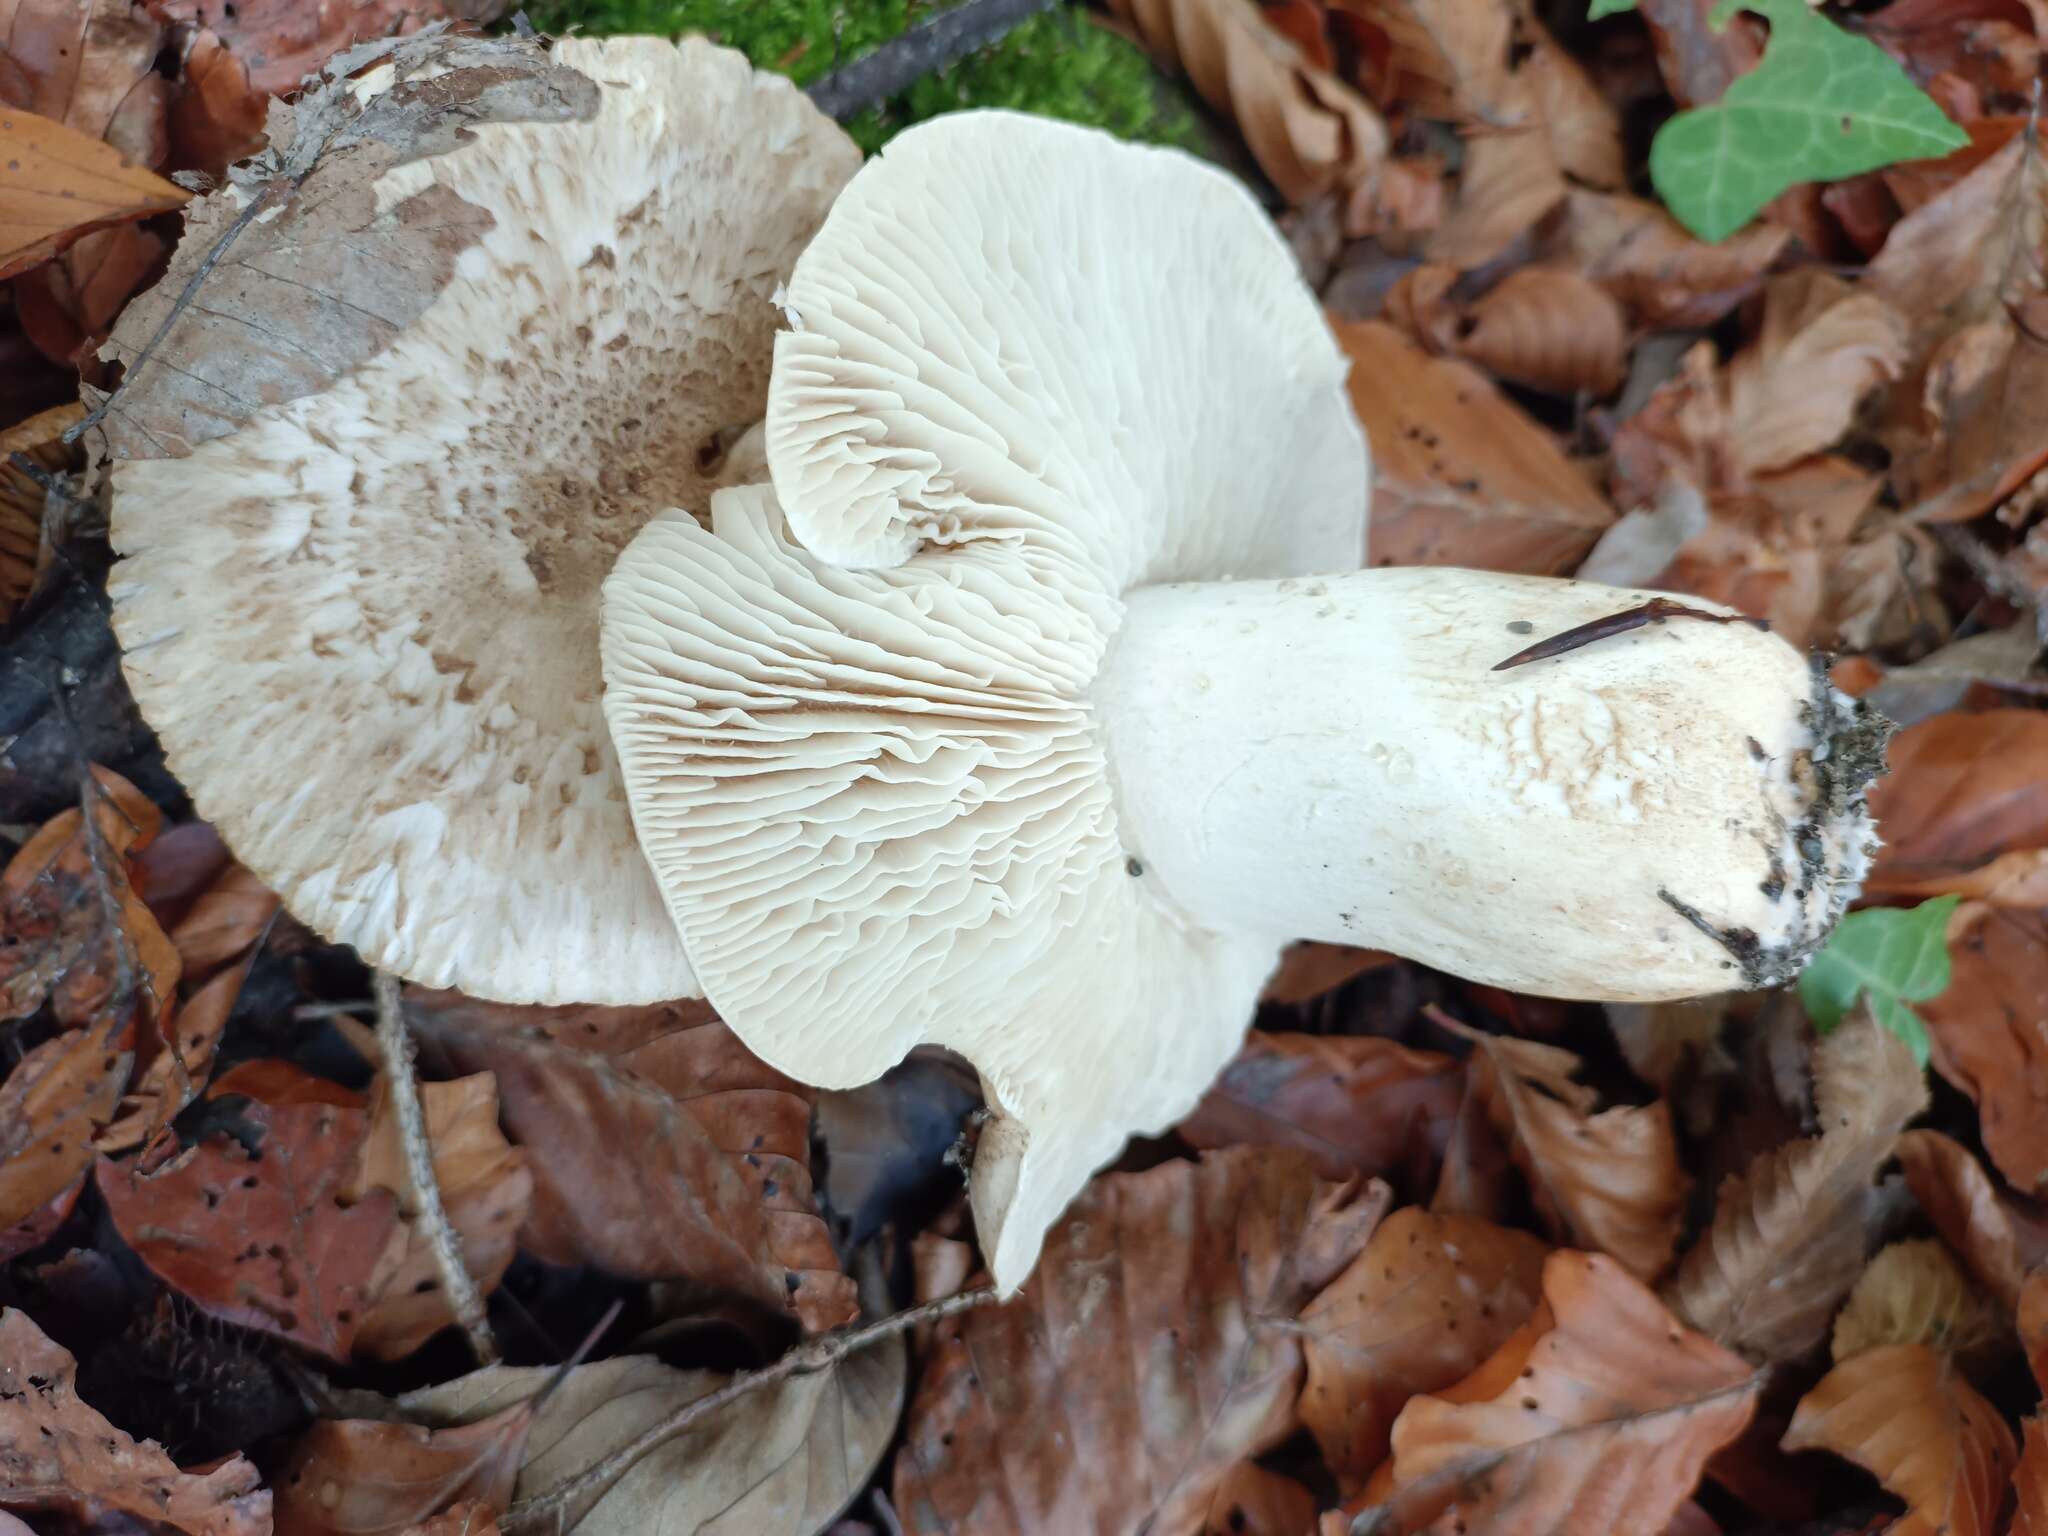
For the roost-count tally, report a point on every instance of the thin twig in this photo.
(545, 1512)
(310, 1013)
(430, 1217)
(926, 48)
(886, 1513)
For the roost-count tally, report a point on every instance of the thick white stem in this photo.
(1671, 810)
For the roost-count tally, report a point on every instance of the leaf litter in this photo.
(1808, 385)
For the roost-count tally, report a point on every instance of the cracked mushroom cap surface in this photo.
(855, 715)
(390, 588)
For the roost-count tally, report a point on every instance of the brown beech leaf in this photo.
(1795, 389)
(261, 1237)
(1550, 329)
(226, 919)
(56, 184)
(1905, 1414)
(1966, 427)
(667, 1150)
(1997, 1236)
(65, 938)
(375, 1477)
(1509, 181)
(1252, 1501)
(1961, 790)
(486, 1188)
(1153, 1348)
(1789, 1234)
(779, 1461)
(1987, 1033)
(90, 64)
(59, 1456)
(1609, 1180)
(1461, 475)
(218, 115)
(1309, 131)
(1357, 1104)
(1428, 1300)
(1599, 1414)
(52, 1105)
(1666, 278)
(40, 1224)
(2030, 1480)
(1916, 1293)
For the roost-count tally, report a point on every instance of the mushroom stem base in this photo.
(1672, 810)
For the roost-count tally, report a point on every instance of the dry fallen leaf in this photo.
(1357, 1104)
(1967, 423)
(1905, 1414)
(1995, 1235)
(59, 1456)
(1153, 1348)
(780, 1461)
(1916, 1293)
(1989, 1032)
(300, 270)
(1609, 1180)
(57, 184)
(1428, 1300)
(2030, 1480)
(1550, 329)
(1599, 1414)
(372, 1477)
(666, 1149)
(1309, 131)
(262, 1238)
(1461, 476)
(1789, 1234)
(1666, 278)
(1794, 390)
(1251, 1501)
(486, 1188)
(1963, 794)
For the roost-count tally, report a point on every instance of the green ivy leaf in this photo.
(1823, 104)
(1601, 8)
(1895, 956)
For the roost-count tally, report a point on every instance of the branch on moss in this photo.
(925, 49)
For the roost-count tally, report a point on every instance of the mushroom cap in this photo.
(1031, 368)
(364, 624)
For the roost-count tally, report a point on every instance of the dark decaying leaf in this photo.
(1789, 1235)
(1599, 1414)
(263, 1238)
(1153, 1348)
(1429, 1299)
(1357, 1104)
(886, 1142)
(663, 1148)
(60, 1457)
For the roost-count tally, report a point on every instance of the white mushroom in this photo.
(364, 623)
(1015, 718)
